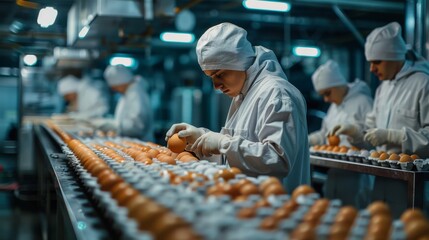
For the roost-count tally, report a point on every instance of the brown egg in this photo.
(344, 149)
(180, 155)
(339, 231)
(169, 160)
(269, 223)
(147, 213)
(235, 170)
(383, 156)
(262, 203)
(383, 221)
(375, 154)
(394, 157)
(188, 158)
(302, 190)
(346, 215)
(152, 153)
(417, 229)
(97, 168)
(269, 181)
(304, 231)
(114, 192)
(411, 215)
(165, 223)
(281, 213)
(225, 174)
(378, 207)
(274, 190)
(180, 233)
(333, 140)
(242, 182)
(415, 156)
(246, 213)
(290, 205)
(248, 189)
(109, 181)
(240, 198)
(405, 158)
(126, 195)
(135, 203)
(176, 144)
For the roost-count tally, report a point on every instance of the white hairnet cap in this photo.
(118, 75)
(385, 43)
(68, 84)
(225, 46)
(328, 75)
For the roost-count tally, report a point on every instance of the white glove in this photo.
(315, 138)
(351, 130)
(185, 130)
(208, 144)
(377, 136)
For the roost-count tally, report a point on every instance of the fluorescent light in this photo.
(30, 59)
(83, 32)
(177, 37)
(126, 61)
(306, 51)
(47, 16)
(267, 5)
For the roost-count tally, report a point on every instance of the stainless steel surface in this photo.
(67, 205)
(415, 180)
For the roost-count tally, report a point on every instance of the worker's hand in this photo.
(315, 139)
(378, 136)
(351, 130)
(208, 144)
(185, 130)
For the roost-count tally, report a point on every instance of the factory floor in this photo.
(19, 218)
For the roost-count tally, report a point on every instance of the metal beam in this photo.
(369, 5)
(349, 25)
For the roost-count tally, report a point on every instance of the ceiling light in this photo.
(126, 61)
(267, 5)
(30, 59)
(177, 37)
(83, 32)
(47, 16)
(306, 51)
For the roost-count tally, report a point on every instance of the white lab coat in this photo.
(133, 113)
(354, 108)
(403, 103)
(92, 99)
(267, 124)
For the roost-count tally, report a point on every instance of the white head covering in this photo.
(68, 84)
(118, 75)
(225, 46)
(328, 75)
(385, 43)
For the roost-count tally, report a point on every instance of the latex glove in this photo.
(351, 130)
(378, 136)
(185, 130)
(208, 144)
(315, 139)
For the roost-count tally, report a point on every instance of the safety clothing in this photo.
(385, 43)
(133, 113)
(328, 75)
(377, 136)
(92, 96)
(185, 130)
(118, 75)
(225, 46)
(403, 104)
(347, 118)
(208, 144)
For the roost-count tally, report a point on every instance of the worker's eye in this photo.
(376, 62)
(220, 75)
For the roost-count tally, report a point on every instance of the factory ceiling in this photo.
(336, 23)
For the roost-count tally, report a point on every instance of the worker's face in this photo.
(230, 82)
(120, 88)
(70, 97)
(384, 70)
(332, 95)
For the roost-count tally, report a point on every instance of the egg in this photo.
(282, 213)
(165, 223)
(246, 213)
(269, 223)
(411, 215)
(269, 181)
(383, 156)
(375, 154)
(394, 157)
(416, 229)
(176, 144)
(273, 190)
(334, 140)
(378, 207)
(180, 233)
(415, 156)
(248, 189)
(302, 190)
(405, 158)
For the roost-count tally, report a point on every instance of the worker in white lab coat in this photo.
(350, 104)
(399, 121)
(86, 98)
(133, 113)
(265, 131)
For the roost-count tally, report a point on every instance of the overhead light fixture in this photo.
(83, 31)
(267, 5)
(177, 37)
(306, 51)
(126, 61)
(30, 59)
(47, 16)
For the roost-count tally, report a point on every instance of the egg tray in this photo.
(212, 217)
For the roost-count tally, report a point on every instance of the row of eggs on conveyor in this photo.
(243, 208)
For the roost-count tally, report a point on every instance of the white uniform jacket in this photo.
(92, 99)
(354, 108)
(403, 103)
(133, 113)
(267, 122)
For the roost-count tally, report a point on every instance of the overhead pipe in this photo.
(349, 24)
